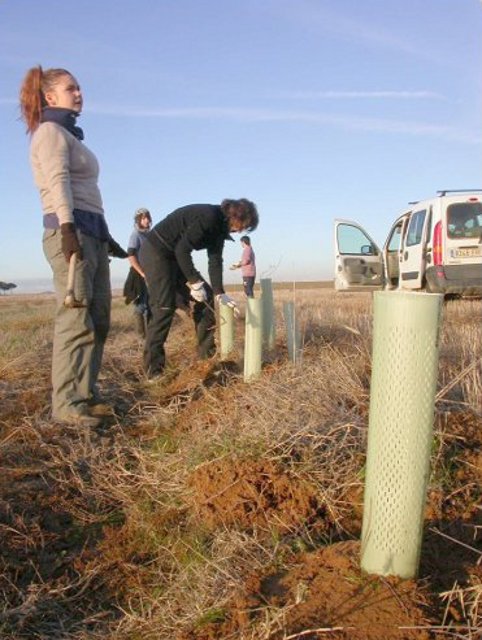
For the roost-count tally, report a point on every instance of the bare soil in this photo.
(71, 559)
(323, 593)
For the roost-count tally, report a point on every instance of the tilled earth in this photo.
(54, 583)
(50, 591)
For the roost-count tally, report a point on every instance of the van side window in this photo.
(464, 220)
(394, 241)
(352, 240)
(415, 228)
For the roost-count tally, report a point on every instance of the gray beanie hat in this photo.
(140, 213)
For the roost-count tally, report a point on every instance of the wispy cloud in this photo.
(335, 19)
(362, 95)
(253, 115)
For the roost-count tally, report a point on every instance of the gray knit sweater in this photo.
(65, 172)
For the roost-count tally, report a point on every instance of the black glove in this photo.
(69, 241)
(115, 250)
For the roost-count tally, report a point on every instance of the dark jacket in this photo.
(191, 228)
(134, 286)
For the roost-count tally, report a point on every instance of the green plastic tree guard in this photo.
(293, 337)
(400, 431)
(253, 339)
(269, 331)
(226, 330)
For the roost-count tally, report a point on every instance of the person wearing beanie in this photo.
(135, 289)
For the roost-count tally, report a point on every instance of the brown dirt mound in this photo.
(327, 589)
(252, 494)
(326, 596)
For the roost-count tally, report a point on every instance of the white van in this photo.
(434, 246)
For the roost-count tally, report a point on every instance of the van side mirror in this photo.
(368, 250)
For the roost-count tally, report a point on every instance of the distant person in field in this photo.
(247, 264)
(66, 174)
(135, 288)
(166, 259)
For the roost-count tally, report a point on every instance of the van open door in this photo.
(358, 260)
(413, 248)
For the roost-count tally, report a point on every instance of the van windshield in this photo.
(464, 220)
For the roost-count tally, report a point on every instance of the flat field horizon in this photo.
(44, 286)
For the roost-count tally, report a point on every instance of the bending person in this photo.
(166, 258)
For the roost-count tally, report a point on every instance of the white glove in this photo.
(236, 265)
(198, 292)
(223, 298)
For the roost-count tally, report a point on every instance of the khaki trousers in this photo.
(79, 333)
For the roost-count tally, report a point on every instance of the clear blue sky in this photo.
(313, 109)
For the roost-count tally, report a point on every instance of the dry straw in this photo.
(197, 485)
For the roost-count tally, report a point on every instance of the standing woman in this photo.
(66, 173)
(247, 264)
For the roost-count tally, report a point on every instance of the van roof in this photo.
(444, 192)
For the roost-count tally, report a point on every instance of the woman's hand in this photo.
(69, 241)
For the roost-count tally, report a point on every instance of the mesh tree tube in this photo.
(253, 340)
(293, 335)
(400, 431)
(269, 331)
(226, 330)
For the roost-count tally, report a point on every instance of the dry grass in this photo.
(164, 523)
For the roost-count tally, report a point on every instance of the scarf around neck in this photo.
(65, 118)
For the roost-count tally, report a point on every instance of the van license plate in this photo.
(472, 252)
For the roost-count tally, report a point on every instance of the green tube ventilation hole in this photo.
(404, 375)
